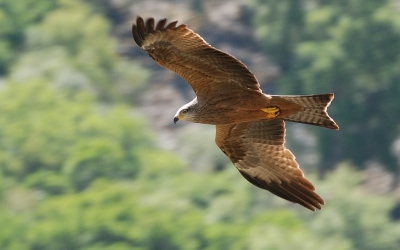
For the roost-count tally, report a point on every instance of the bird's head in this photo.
(187, 112)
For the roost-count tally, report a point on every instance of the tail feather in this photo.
(314, 110)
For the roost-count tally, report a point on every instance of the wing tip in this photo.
(136, 31)
(298, 194)
(141, 28)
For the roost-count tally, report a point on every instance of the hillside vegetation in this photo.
(89, 161)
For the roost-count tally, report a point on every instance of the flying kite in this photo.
(250, 125)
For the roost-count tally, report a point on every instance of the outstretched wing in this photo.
(209, 71)
(258, 152)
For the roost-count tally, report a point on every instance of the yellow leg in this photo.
(272, 112)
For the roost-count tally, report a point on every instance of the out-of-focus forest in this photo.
(90, 157)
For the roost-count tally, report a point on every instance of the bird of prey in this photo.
(250, 125)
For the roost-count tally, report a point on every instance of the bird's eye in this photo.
(184, 111)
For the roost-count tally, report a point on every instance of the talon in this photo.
(272, 112)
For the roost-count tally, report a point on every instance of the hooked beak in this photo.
(176, 119)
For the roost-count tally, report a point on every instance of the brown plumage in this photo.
(250, 127)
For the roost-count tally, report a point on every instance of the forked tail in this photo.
(314, 110)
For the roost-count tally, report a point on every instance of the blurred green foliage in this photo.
(79, 169)
(45, 133)
(14, 19)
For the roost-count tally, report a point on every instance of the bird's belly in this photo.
(228, 116)
(245, 108)
(253, 106)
